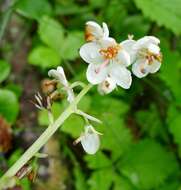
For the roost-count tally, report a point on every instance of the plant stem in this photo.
(38, 144)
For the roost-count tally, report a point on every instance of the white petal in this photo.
(90, 143)
(145, 41)
(94, 29)
(123, 58)
(90, 53)
(59, 75)
(155, 66)
(128, 46)
(105, 30)
(107, 42)
(96, 74)
(140, 68)
(153, 49)
(106, 86)
(121, 76)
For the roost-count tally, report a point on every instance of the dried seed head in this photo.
(48, 86)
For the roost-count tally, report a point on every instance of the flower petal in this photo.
(140, 68)
(153, 48)
(106, 86)
(96, 74)
(94, 29)
(105, 30)
(59, 75)
(155, 66)
(123, 58)
(128, 46)
(90, 142)
(121, 76)
(90, 53)
(107, 42)
(145, 41)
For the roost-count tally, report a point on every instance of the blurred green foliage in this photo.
(141, 141)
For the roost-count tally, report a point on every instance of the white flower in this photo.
(145, 53)
(89, 140)
(59, 75)
(107, 59)
(94, 32)
(106, 86)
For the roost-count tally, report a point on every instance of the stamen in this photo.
(151, 57)
(110, 52)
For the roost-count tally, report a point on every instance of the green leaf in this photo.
(51, 33)
(101, 179)
(150, 122)
(4, 70)
(14, 157)
(115, 12)
(80, 181)
(44, 57)
(116, 137)
(167, 70)
(9, 107)
(71, 45)
(17, 89)
(165, 12)
(97, 3)
(109, 105)
(121, 183)
(99, 160)
(25, 183)
(74, 126)
(34, 9)
(174, 121)
(134, 22)
(174, 185)
(147, 164)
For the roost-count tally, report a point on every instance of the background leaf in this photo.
(9, 107)
(163, 12)
(34, 9)
(44, 57)
(4, 70)
(51, 33)
(146, 164)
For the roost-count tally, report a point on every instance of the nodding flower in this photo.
(89, 140)
(59, 75)
(145, 55)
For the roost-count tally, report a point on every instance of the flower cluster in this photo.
(109, 61)
(108, 68)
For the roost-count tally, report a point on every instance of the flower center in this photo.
(110, 52)
(151, 57)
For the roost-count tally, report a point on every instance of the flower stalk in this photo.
(41, 141)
